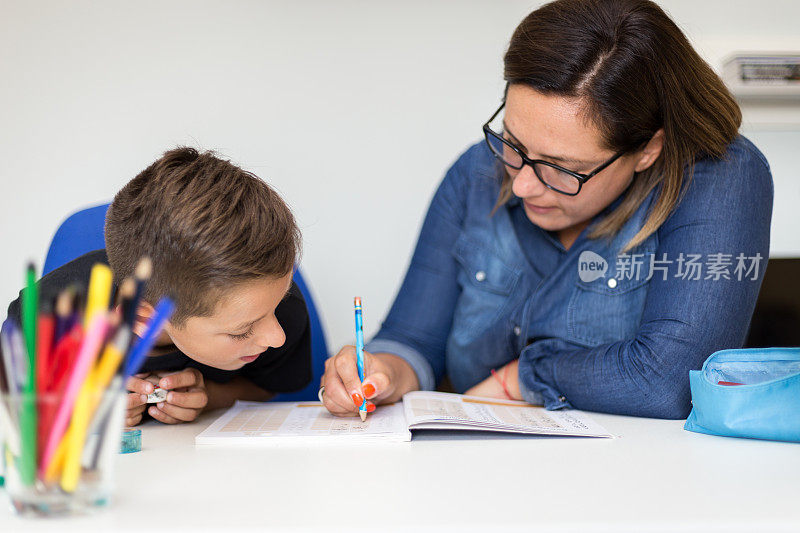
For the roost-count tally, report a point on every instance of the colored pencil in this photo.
(62, 372)
(141, 275)
(100, 420)
(11, 361)
(62, 360)
(9, 394)
(163, 311)
(86, 357)
(86, 404)
(27, 419)
(362, 410)
(63, 312)
(99, 292)
(45, 335)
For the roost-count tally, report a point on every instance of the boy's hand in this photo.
(138, 388)
(186, 398)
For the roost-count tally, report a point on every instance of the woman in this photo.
(609, 234)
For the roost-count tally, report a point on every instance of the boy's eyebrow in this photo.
(246, 325)
(545, 156)
(250, 323)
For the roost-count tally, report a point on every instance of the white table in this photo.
(654, 477)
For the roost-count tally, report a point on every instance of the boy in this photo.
(223, 245)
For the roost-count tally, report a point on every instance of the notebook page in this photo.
(438, 410)
(256, 423)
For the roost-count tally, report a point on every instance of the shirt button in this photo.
(517, 330)
(480, 275)
(562, 399)
(612, 283)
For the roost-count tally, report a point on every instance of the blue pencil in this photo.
(14, 359)
(138, 353)
(362, 410)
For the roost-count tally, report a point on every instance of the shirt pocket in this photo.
(599, 313)
(487, 284)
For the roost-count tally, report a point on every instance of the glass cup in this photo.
(80, 477)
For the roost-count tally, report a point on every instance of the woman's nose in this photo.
(526, 184)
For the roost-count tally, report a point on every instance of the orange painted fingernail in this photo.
(369, 389)
(370, 407)
(357, 399)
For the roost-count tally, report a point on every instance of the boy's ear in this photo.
(143, 314)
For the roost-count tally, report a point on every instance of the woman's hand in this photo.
(386, 378)
(492, 387)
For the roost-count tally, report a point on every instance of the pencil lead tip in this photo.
(363, 415)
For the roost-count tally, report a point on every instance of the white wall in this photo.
(352, 110)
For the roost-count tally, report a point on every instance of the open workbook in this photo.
(251, 423)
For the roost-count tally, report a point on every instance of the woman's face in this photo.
(553, 128)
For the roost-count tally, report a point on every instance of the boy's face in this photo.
(242, 327)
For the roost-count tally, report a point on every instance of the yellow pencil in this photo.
(99, 292)
(111, 359)
(86, 404)
(97, 301)
(57, 462)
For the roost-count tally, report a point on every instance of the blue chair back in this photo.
(82, 232)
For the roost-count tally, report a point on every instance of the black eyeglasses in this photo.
(554, 177)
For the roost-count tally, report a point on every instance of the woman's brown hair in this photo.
(637, 73)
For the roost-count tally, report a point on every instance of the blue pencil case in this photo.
(753, 393)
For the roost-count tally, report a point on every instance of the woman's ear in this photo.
(651, 151)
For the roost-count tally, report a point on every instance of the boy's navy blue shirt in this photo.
(593, 328)
(283, 369)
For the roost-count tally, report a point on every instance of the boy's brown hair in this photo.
(205, 223)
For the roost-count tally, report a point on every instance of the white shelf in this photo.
(786, 94)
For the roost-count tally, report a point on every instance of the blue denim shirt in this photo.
(592, 329)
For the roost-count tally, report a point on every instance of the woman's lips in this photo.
(539, 210)
(250, 358)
